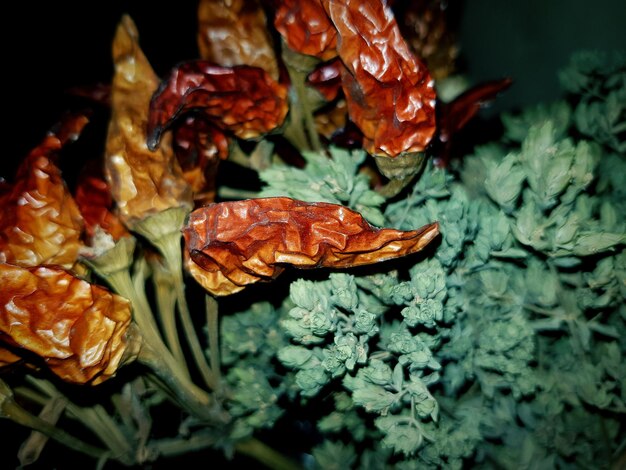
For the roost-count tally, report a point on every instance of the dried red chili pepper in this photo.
(234, 244)
(242, 100)
(93, 197)
(453, 116)
(305, 27)
(199, 147)
(234, 32)
(142, 182)
(326, 78)
(39, 221)
(78, 329)
(390, 93)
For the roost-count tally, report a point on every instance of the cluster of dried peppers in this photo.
(152, 179)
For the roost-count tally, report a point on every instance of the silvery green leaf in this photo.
(302, 334)
(365, 322)
(398, 377)
(504, 182)
(516, 126)
(311, 380)
(370, 396)
(590, 243)
(402, 436)
(344, 291)
(334, 456)
(377, 372)
(566, 229)
(425, 403)
(295, 356)
(586, 158)
(543, 285)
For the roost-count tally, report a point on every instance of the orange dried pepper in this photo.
(233, 244)
(234, 32)
(306, 28)
(242, 100)
(142, 182)
(390, 94)
(39, 221)
(78, 329)
(94, 200)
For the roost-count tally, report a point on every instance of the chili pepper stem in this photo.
(304, 131)
(163, 231)
(170, 247)
(191, 397)
(10, 409)
(214, 336)
(97, 420)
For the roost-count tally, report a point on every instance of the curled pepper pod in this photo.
(7, 357)
(199, 147)
(93, 196)
(453, 116)
(233, 244)
(306, 28)
(390, 94)
(39, 220)
(242, 100)
(78, 329)
(234, 32)
(142, 182)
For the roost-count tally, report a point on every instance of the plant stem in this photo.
(9, 408)
(214, 336)
(170, 247)
(266, 455)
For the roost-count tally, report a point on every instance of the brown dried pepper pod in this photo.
(390, 94)
(242, 100)
(78, 329)
(142, 182)
(93, 196)
(39, 220)
(199, 146)
(234, 32)
(233, 244)
(306, 28)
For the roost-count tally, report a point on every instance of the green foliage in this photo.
(503, 347)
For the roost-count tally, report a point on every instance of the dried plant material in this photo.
(242, 100)
(142, 182)
(390, 93)
(426, 27)
(306, 28)
(243, 242)
(79, 329)
(95, 202)
(326, 78)
(453, 116)
(39, 221)
(7, 357)
(199, 147)
(234, 32)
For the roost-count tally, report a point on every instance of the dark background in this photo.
(50, 46)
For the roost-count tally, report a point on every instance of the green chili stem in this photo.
(214, 336)
(266, 455)
(170, 247)
(9, 408)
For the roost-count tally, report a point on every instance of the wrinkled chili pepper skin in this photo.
(239, 243)
(306, 28)
(242, 100)
(234, 32)
(142, 182)
(39, 221)
(390, 94)
(78, 329)
(95, 203)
